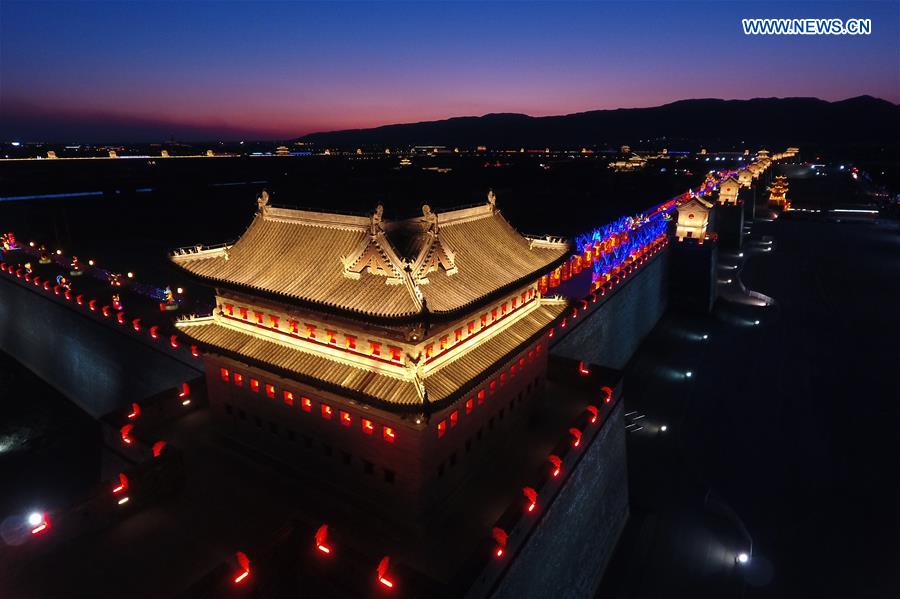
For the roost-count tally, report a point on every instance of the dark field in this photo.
(784, 438)
(188, 201)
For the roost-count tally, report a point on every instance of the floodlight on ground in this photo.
(743, 558)
(38, 522)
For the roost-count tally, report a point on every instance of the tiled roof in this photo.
(447, 261)
(489, 254)
(463, 371)
(300, 259)
(458, 374)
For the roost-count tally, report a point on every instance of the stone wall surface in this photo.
(567, 553)
(95, 366)
(611, 334)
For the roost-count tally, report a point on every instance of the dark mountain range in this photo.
(771, 121)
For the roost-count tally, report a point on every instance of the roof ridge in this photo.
(313, 218)
(464, 215)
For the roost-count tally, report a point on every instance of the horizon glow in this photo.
(109, 71)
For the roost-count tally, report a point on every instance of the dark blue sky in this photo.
(146, 70)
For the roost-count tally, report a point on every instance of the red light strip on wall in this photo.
(501, 538)
(382, 572)
(322, 540)
(42, 526)
(243, 563)
(125, 432)
(556, 461)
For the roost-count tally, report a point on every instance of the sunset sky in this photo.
(141, 71)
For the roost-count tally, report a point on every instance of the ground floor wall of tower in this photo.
(97, 367)
(407, 462)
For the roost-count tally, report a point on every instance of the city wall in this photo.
(611, 334)
(568, 552)
(97, 367)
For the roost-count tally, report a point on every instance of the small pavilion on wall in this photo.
(778, 193)
(693, 219)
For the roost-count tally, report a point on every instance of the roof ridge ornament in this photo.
(430, 217)
(492, 199)
(377, 217)
(262, 201)
(374, 255)
(434, 253)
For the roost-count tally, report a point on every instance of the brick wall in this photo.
(98, 368)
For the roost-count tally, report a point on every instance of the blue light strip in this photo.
(642, 229)
(49, 196)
